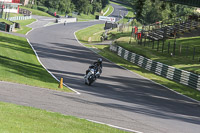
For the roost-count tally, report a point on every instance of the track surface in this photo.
(119, 97)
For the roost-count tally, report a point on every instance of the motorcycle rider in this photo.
(97, 67)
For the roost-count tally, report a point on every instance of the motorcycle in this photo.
(90, 77)
(92, 74)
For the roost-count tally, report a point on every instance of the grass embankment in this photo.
(36, 12)
(23, 28)
(6, 21)
(12, 15)
(19, 119)
(91, 34)
(19, 64)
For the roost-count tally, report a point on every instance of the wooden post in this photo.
(187, 51)
(163, 45)
(158, 45)
(153, 45)
(168, 47)
(174, 49)
(193, 53)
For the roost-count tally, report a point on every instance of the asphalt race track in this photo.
(119, 97)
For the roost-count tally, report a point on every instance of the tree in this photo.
(151, 11)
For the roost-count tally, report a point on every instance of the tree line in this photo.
(151, 11)
(68, 6)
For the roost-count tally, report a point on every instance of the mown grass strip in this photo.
(37, 12)
(6, 21)
(111, 9)
(105, 52)
(20, 119)
(91, 34)
(19, 64)
(23, 28)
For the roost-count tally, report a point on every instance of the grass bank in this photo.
(36, 12)
(11, 15)
(19, 64)
(91, 34)
(20, 119)
(6, 21)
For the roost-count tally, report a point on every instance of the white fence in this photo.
(19, 18)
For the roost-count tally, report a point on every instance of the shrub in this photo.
(42, 8)
(34, 6)
(28, 6)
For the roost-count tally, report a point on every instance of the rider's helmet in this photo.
(99, 60)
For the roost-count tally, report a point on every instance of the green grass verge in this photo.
(106, 8)
(19, 64)
(6, 21)
(91, 34)
(23, 29)
(105, 52)
(18, 119)
(37, 12)
(12, 14)
(111, 9)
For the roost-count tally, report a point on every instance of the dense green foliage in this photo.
(68, 6)
(151, 11)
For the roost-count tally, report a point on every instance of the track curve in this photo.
(119, 97)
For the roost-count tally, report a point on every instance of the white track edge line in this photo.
(106, 11)
(30, 27)
(117, 127)
(49, 71)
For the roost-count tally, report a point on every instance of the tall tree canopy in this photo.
(150, 11)
(80, 6)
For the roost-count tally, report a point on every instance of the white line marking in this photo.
(29, 31)
(49, 71)
(30, 27)
(121, 128)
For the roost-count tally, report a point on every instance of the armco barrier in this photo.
(184, 77)
(19, 18)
